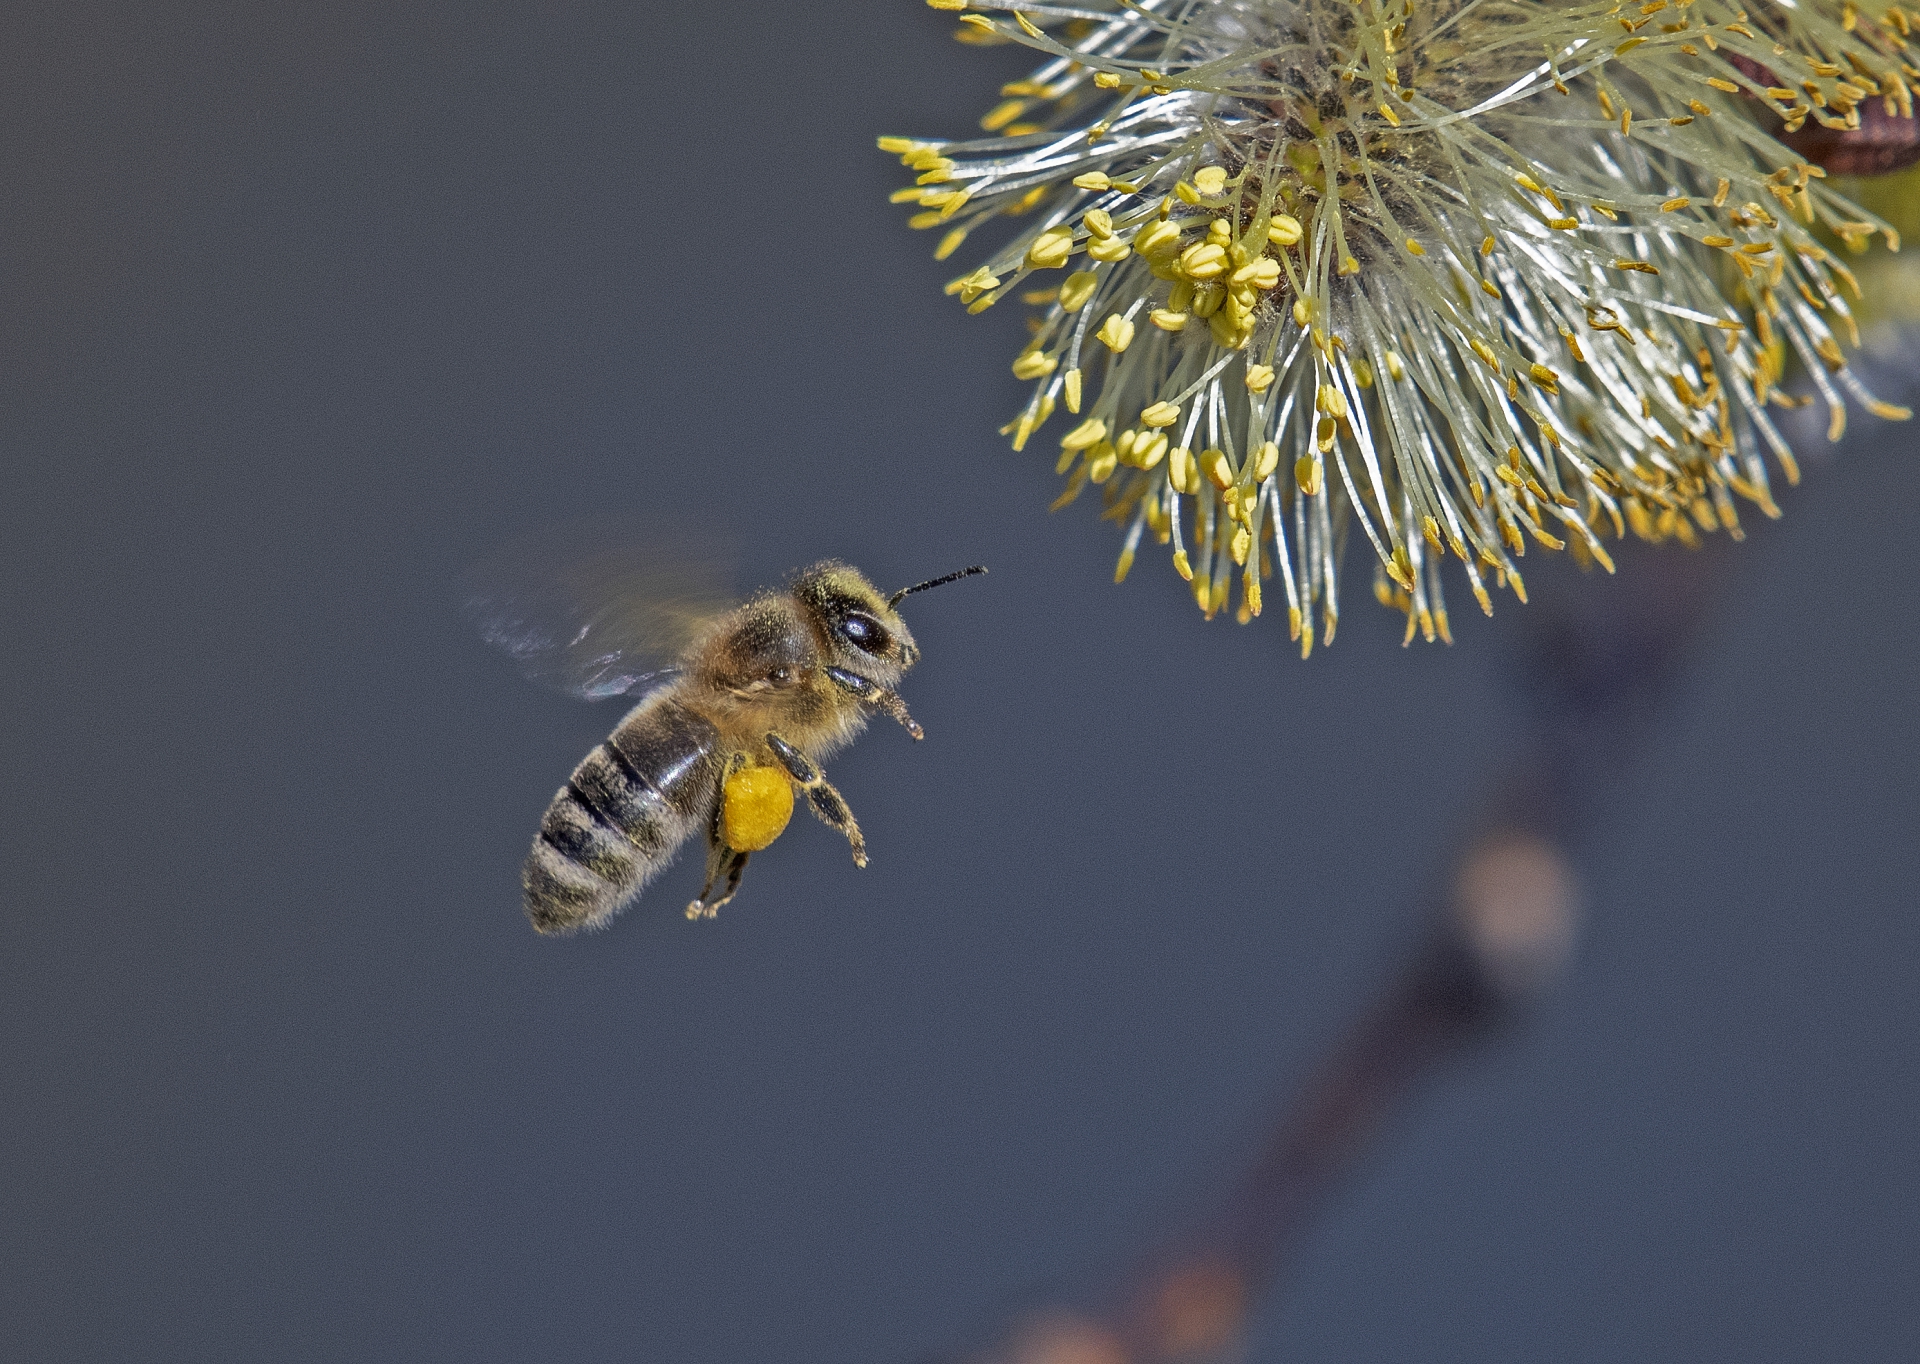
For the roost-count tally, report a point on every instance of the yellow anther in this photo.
(1400, 568)
(1756, 248)
(1186, 193)
(1261, 274)
(1214, 464)
(1181, 566)
(1396, 368)
(1077, 289)
(1099, 222)
(1386, 112)
(1116, 332)
(1182, 476)
(898, 146)
(950, 243)
(1108, 249)
(1486, 246)
(1035, 365)
(1330, 401)
(1485, 352)
(1210, 180)
(1050, 249)
(1671, 205)
(1642, 266)
(1349, 266)
(1302, 311)
(1093, 180)
(1241, 544)
(1716, 241)
(1489, 288)
(1265, 460)
(1002, 114)
(1206, 261)
(1259, 378)
(1102, 459)
(1088, 433)
(1563, 224)
(1230, 331)
(1106, 80)
(946, 4)
(1283, 229)
(975, 284)
(1160, 414)
(1415, 248)
(1323, 433)
(1543, 376)
(1157, 239)
(1027, 26)
(1220, 233)
(1071, 389)
(1167, 321)
(1150, 449)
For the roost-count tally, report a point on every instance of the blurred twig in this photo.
(1590, 666)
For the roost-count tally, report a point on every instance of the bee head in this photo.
(860, 627)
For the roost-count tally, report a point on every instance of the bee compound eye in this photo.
(865, 633)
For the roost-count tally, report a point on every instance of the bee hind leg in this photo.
(827, 803)
(721, 860)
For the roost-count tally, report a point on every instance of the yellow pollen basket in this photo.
(755, 805)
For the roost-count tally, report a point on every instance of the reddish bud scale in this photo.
(1882, 144)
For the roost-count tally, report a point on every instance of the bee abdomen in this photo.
(632, 801)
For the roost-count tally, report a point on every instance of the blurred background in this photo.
(302, 309)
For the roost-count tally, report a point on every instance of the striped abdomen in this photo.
(633, 801)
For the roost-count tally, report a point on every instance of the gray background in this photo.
(301, 313)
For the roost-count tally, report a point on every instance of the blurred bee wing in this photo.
(587, 611)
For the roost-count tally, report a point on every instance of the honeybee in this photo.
(753, 700)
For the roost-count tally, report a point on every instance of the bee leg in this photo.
(720, 858)
(876, 696)
(826, 801)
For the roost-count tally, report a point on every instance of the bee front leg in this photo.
(877, 696)
(826, 801)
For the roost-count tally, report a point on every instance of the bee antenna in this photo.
(894, 600)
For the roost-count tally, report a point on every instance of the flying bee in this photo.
(754, 699)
